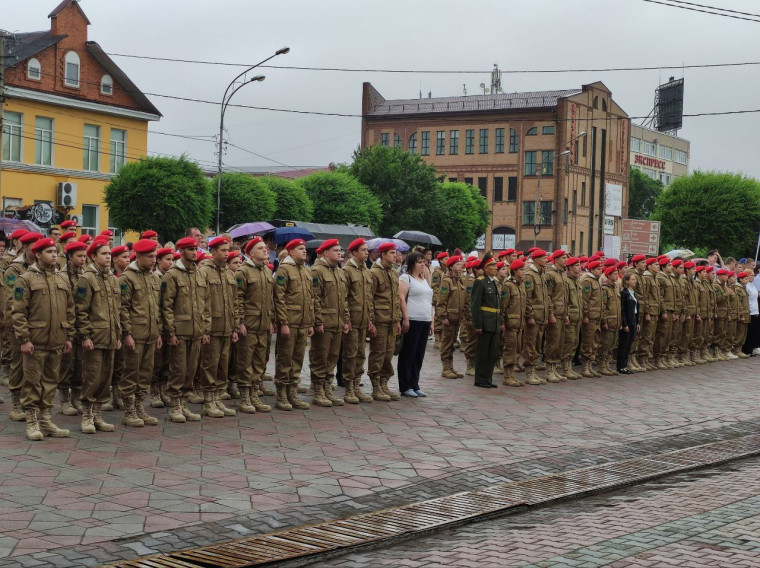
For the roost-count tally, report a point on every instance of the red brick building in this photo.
(515, 147)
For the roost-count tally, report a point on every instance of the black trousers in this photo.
(753, 335)
(625, 340)
(412, 355)
(485, 357)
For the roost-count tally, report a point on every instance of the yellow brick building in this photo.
(70, 115)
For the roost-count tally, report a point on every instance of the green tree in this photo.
(459, 215)
(168, 195)
(711, 210)
(244, 198)
(643, 193)
(291, 201)
(339, 198)
(404, 184)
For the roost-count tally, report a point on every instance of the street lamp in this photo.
(225, 102)
(537, 206)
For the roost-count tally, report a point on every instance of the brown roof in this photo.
(474, 103)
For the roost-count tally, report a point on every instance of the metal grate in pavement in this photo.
(307, 544)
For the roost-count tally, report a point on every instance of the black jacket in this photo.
(629, 308)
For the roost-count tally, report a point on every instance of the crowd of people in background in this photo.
(193, 322)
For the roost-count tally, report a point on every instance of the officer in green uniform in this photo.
(485, 321)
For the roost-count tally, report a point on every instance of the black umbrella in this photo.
(418, 237)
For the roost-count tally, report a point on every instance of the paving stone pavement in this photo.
(86, 500)
(703, 518)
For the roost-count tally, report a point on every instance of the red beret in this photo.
(186, 242)
(709, 269)
(96, 244)
(67, 224)
(610, 262)
(517, 264)
(295, 243)
(471, 264)
(270, 266)
(593, 264)
(232, 254)
(30, 238)
(250, 244)
(201, 256)
(510, 251)
(356, 243)
(75, 246)
(472, 257)
(731, 273)
(85, 238)
(67, 236)
(454, 259)
(116, 251)
(621, 264)
(18, 233)
(572, 260)
(662, 256)
(599, 253)
(42, 244)
(556, 254)
(163, 252)
(531, 249)
(664, 261)
(176, 255)
(741, 275)
(106, 233)
(638, 258)
(537, 253)
(583, 258)
(677, 262)
(216, 241)
(329, 243)
(148, 234)
(721, 271)
(651, 260)
(501, 264)
(145, 245)
(701, 268)
(519, 253)
(385, 247)
(609, 270)
(689, 264)
(502, 254)
(441, 255)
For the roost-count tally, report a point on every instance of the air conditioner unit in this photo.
(67, 194)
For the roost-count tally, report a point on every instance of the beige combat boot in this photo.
(255, 401)
(530, 376)
(449, 374)
(117, 400)
(393, 394)
(175, 414)
(551, 373)
(282, 398)
(147, 419)
(360, 394)
(245, 405)
(559, 371)
(349, 396)
(217, 396)
(377, 391)
(130, 418)
(696, 356)
(76, 400)
(740, 354)
(293, 399)
(17, 413)
(189, 416)
(100, 424)
(155, 396)
(195, 397)
(330, 394)
(32, 426)
(87, 425)
(567, 365)
(165, 398)
(604, 367)
(67, 409)
(209, 406)
(48, 428)
(320, 398)
(509, 377)
(233, 390)
(658, 362)
(586, 370)
(470, 370)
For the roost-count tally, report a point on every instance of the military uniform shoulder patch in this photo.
(504, 293)
(280, 280)
(124, 288)
(315, 281)
(444, 289)
(10, 280)
(550, 282)
(436, 277)
(81, 293)
(239, 282)
(18, 293)
(163, 286)
(528, 284)
(587, 288)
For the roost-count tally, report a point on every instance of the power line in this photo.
(715, 8)
(703, 11)
(258, 155)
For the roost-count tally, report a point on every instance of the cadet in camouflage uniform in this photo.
(611, 322)
(514, 303)
(158, 385)
(449, 311)
(652, 303)
(689, 295)
(592, 316)
(574, 314)
(700, 320)
(12, 250)
(435, 284)
(470, 342)
(70, 385)
(662, 341)
(721, 313)
(679, 314)
(744, 317)
(386, 317)
(558, 320)
(638, 267)
(733, 316)
(538, 311)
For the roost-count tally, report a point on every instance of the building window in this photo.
(413, 143)
(12, 136)
(106, 85)
(440, 143)
(565, 212)
(71, 77)
(575, 152)
(651, 173)
(547, 130)
(43, 141)
(500, 133)
(498, 189)
(575, 202)
(468, 181)
(580, 246)
(596, 102)
(649, 148)
(572, 247)
(397, 141)
(545, 217)
(513, 141)
(91, 148)
(665, 179)
(530, 163)
(604, 104)
(585, 144)
(469, 141)
(385, 139)
(452, 180)
(425, 150)
(583, 198)
(635, 144)
(34, 70)
(483, 141)
(512, 188)
(532, 132)
(502, 238)
(90, 221)
(547, 162)
(454, 142)
(680, 157)
(666, 152)
(483, 186)
(118, 150)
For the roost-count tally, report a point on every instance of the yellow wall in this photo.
(68, 154)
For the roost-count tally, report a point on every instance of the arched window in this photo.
(106, 85)
(532, 131)
(596, 102)
(502, 238)
(34, 69)
(71, 77)
(604, 104)
(413, 143)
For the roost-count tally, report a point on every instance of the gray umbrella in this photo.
(419, 237)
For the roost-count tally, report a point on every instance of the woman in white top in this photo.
(416, 297)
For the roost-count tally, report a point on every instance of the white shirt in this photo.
(752, 291)
(419, 299)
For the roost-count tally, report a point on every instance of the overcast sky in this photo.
(409, 34)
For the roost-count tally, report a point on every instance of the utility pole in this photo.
(2, 112)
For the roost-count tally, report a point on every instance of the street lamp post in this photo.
(225, 102)
(536, 207)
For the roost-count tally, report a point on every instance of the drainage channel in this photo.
(306, 544)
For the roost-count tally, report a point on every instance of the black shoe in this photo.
(483, 386)
(494, 386)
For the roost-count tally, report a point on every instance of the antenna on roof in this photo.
(464, 89)
(496, 79)
(420, 89)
